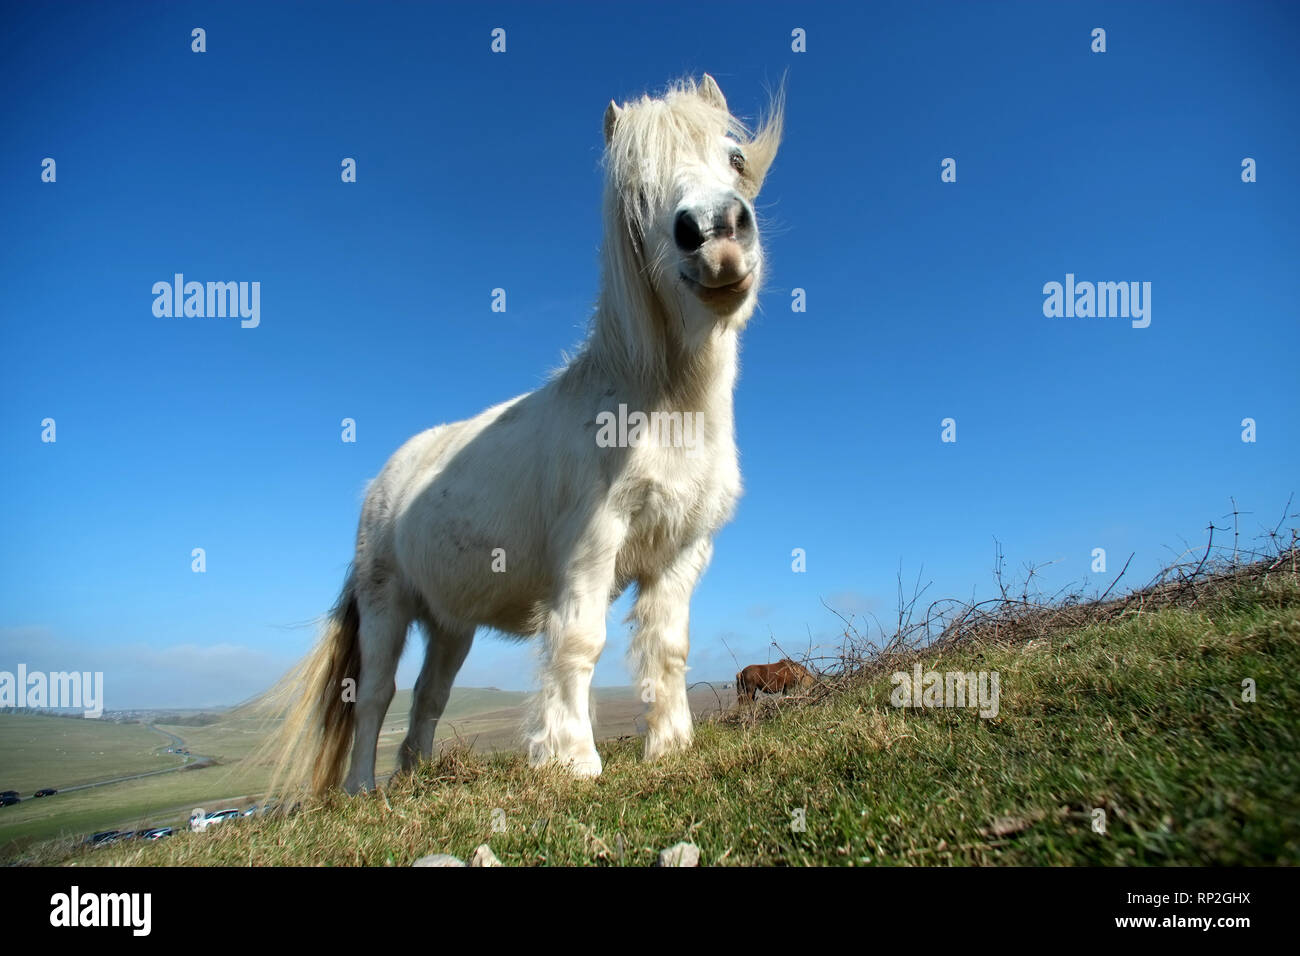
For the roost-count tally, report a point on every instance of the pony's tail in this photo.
(741, 689)
(310, 747)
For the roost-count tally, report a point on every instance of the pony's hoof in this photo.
(586, 766)
(353, 787)
(657, 747)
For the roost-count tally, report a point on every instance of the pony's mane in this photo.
(630, 335)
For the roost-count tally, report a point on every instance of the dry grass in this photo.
(1020, 615)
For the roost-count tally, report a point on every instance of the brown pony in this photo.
(775, 678)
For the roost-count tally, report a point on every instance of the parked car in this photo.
(200, 821)
(102, 838)
(157, 833)
(8, 801)
(9, 793)
(47, 792)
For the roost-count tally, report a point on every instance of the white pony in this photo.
(533, 516)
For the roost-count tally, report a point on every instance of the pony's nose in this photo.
(732, 220)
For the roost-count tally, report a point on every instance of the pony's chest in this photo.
(670, 499)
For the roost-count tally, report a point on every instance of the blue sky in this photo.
(479, 170)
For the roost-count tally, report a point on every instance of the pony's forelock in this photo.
(651, 133)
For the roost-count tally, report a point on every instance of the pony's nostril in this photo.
(686, 232)
(739, 221)
(744, 221)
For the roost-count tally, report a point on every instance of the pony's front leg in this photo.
(662, 614)
(575, 635)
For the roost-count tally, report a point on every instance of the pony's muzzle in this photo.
(717, 247)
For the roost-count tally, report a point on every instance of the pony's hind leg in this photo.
(382, 636)
(744, 693)
(444, 653)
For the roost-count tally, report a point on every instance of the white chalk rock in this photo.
(484, 856)
(683, 854)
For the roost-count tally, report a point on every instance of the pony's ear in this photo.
(612, 112)
(711, 92)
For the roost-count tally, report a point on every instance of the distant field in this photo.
(131, 805)
(38, 751)
(485, 718)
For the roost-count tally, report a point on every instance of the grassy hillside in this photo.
(1140, 716)
(41, 748)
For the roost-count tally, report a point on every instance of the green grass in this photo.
(1143, 719)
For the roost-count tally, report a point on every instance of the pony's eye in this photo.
(738, 161)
